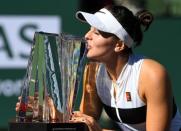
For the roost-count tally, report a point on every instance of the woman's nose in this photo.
(88, 35)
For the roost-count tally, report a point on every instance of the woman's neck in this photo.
(115, 66)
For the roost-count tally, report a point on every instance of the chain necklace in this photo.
(116, 91)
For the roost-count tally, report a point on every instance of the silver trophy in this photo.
(54, 73)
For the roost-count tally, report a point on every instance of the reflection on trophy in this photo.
(53, 76)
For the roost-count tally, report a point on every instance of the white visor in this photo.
(104, 21)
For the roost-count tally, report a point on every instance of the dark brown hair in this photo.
(132, 23)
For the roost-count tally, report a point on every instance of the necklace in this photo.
(116, 85)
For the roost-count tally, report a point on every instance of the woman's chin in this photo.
(92, 59)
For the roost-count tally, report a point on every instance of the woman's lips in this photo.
(88, 46)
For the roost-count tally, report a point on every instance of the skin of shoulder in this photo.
(155, 91)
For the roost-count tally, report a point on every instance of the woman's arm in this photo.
(91, 106)
(155, 84)
(90, 103)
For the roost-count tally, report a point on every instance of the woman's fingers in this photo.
(52, 108)
(88, 120)
(19, 98)
(30, 100)
(17, 106)
(79, 119)
(29, 106)
(79, 114)
(34, 103)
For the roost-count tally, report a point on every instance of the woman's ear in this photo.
(119, 46)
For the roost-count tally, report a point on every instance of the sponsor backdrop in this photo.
(20, 19)
(18, 22)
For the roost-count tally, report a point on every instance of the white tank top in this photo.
(127, 108)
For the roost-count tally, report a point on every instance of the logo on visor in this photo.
(101, 12)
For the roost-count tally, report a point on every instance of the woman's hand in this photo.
(88, 120)
(29, 105)
(55, 115)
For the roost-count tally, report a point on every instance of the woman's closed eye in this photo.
(97, 32)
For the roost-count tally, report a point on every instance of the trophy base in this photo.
(40, 126)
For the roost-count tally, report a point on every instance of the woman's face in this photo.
(100, 45)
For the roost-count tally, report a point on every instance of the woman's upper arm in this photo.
(158, 95)
(90, 103)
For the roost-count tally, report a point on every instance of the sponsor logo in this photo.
(16, 35)
(10, 87)
(128, 96)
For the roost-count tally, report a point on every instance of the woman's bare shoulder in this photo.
(153, 68)
(154, 77)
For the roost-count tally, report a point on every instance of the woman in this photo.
(135, 91)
